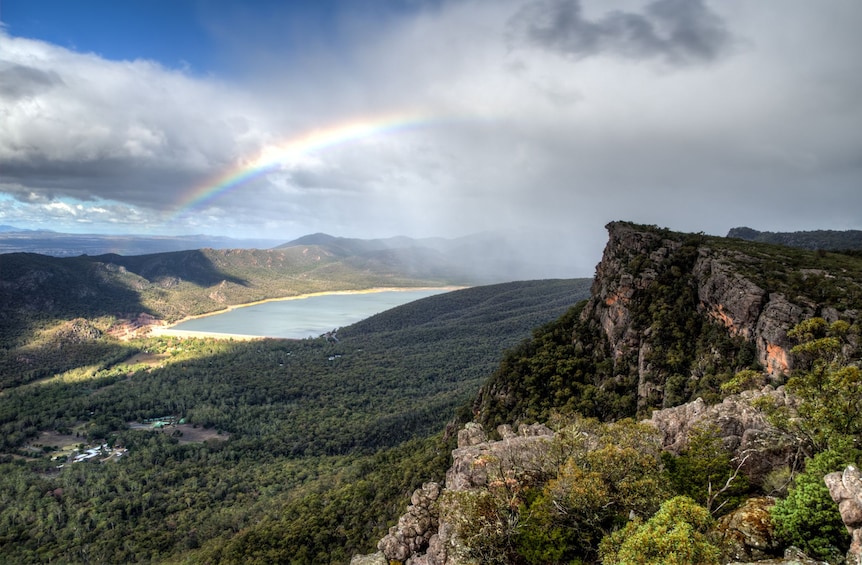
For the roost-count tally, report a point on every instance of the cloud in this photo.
(677, 31)
(19, 81)
(559, 115)
(80, 126)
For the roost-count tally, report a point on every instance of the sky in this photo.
(378, 118)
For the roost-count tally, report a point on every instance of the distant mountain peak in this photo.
(318, 238)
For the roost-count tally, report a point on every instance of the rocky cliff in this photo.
(641, 266)
(671, 316)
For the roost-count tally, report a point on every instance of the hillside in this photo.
(741, 361)
(830, 240)
(38, 290)
(295, 450)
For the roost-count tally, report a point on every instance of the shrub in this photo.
(808, 518)
(675, 535)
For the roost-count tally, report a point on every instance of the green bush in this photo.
(676, 535)
(808, 518)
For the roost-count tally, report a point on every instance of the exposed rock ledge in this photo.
(420, 538)
(743, 428)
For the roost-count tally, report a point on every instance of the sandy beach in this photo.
(158, 331)
(168, 330)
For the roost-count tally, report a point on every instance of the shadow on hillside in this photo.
(39, 290)
(193, 266)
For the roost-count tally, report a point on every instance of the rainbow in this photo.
(272, 158)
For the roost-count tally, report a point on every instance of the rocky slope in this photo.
(425, 534)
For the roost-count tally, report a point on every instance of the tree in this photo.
(706, 472)
(828, 385)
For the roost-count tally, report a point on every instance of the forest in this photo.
(288, 451)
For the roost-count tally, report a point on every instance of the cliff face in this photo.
(670, 318)
(658, 297)
(623, 303)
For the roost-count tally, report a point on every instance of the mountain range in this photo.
(832, 240)
(58, 244)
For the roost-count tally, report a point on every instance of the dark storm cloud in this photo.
(122, 179)
(18, 81)
(678, 31)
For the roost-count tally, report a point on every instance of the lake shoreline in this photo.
(169, 331)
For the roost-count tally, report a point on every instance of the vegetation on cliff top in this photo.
(817, 239)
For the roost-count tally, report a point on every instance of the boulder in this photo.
(747, 532)
(523, 452)
(372, 559)
(846, 489)
(471, 434)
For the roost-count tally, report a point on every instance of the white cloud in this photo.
(763, 128)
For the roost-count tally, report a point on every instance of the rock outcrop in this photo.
(420, 537)
(756, 444)
(637, 258)
(846, 489)
(747, 532)
(413, 532)
(471, 460)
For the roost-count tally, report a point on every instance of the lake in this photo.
(302, 317)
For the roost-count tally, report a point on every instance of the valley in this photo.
(296, 317)
(270, 424)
